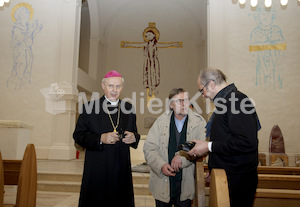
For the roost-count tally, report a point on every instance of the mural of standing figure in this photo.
(151, 67)
(267, 43)
(23, 34)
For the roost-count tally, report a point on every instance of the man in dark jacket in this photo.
(107, 178)
(233, 144)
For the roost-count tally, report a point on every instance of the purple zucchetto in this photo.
(112, 73)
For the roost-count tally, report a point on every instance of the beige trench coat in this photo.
(156, 155)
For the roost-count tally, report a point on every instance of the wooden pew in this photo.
(23, 173)
(272, 181)
(199, 200)
(274, 170)
(11, 171)
(1, 181)
(200, 184)
(218, 192)
(262, 157)
(283, 157)
(277, 186)
(278, 190)
(277, 198)
(278, 170)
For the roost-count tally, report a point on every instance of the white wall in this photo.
(53, 38)
(177, 21)
(55, 60)
(230, 27)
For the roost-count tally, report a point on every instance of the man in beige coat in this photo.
(172, 180)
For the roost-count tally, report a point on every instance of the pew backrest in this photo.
(200, 184)
(218, 192)
(272, 181)
(1, 181)
(274, 170)
(27, 183)
(23, 173)
(278, 170)
(11, 171)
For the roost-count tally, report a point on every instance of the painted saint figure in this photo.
(151, 67)
(268, 44)
(23, 34)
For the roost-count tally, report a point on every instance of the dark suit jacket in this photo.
(234, 135)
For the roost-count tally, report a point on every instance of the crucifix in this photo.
(151, 68)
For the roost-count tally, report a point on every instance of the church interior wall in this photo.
(179, 67)
(269, 77)
(85, 34)
(35, 64)
(26, 102)
(225, 45)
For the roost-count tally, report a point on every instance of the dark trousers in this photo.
(174, 201)
(242, 188)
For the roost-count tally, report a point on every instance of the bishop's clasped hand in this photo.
(113, 137)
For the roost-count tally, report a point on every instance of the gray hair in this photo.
(213, 74)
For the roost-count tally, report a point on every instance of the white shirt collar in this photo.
(114, 103)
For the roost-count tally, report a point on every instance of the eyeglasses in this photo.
(201, 90)
(180, 101)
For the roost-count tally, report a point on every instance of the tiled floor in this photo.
(59, 199)
(64, 199)
(45, 199)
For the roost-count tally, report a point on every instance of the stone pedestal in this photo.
(14, 137)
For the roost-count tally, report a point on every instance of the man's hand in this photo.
(129, 138)
(207, 177)
(168, 170)
(201, 148)
(110, 138)
(176, 163)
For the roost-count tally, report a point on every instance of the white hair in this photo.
(104, 79)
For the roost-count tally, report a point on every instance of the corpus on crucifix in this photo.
(151, 67)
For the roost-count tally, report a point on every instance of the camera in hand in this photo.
(122, 134)
(187, 146)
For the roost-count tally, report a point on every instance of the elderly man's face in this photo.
(180, 103)
(112, 88)
(205, 90)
